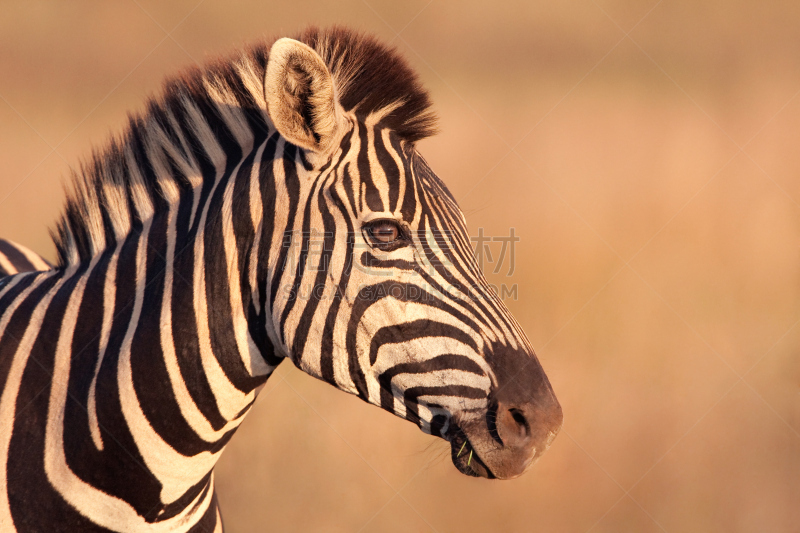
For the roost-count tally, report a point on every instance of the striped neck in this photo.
(183, 345)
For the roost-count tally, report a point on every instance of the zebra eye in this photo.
(384, 232)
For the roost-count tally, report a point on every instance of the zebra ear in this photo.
(300, 95)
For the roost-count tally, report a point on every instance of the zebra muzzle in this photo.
(507, 441)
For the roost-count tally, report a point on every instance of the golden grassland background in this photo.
(645, 152)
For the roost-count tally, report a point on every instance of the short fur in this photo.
(369, 78)
(220, 249)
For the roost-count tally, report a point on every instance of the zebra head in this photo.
(377, 290)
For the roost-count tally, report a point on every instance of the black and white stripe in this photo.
(15, 258)
(231, 227)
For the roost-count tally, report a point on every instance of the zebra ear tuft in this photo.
(300, 95)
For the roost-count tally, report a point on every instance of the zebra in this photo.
(15, 258)
(270, 205)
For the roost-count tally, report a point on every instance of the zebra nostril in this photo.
(520, 419)
(513, 426)
(523, 427)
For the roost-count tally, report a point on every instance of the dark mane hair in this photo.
(112, 190)
(371, 77)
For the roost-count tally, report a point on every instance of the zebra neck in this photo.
(166, 337)
(183, 345)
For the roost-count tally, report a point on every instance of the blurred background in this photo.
(646, 155)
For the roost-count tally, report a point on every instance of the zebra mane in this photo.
(156, 155)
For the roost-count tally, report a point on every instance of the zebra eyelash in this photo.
(403, 235)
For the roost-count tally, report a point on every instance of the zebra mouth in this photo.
(465, 459)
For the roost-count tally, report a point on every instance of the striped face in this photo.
(380, 295)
